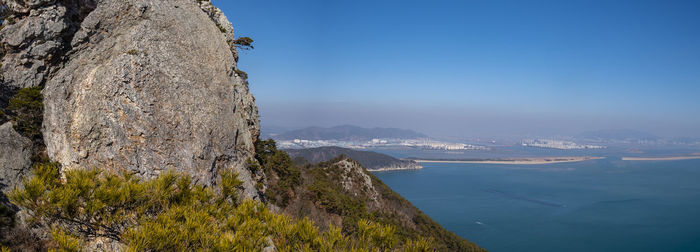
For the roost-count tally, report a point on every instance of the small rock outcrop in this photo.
(15, 157)
(355, 180)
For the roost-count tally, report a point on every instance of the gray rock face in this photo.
(15, 157)
(32, 42)
(37, 38)
(24, 6)
(150, 86)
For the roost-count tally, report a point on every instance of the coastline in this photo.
(516, 161)
(415, 166)
(659, 158)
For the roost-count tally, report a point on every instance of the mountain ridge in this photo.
(348, 133)
(370, 160)
(616, 134)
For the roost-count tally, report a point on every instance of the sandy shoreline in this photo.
(395, 169)
(517, 161)
(659, 158)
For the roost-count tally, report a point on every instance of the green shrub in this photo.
(242, 74)
(170, 213)
(26, 108)
(377, 234)
(331, 197)
(64, 241)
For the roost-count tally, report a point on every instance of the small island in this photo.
(517, 161)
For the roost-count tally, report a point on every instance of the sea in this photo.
(596, 205)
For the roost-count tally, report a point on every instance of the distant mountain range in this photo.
(616, 135)
(348, 133)
(372, 161)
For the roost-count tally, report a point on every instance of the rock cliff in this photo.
(139, 85)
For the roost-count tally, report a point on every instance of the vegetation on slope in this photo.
(172, 213)
(321, 196)
(283, 177)
(26, 109)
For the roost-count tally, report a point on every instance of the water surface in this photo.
(596, 205)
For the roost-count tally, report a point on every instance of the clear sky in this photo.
(474, 68)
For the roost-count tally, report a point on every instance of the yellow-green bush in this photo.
(170, 213)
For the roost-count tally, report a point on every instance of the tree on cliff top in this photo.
(244, 43)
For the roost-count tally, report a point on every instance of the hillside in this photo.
(127, 125)
(340, 191)
(348, 133)
(372, 161)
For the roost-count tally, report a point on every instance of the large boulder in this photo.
(151, 86)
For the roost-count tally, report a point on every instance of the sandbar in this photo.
(659, 158)
(517, 161)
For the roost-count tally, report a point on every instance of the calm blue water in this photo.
(597, 205)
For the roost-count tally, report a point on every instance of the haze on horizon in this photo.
(475, 68)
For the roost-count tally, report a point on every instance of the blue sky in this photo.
(474, 68)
